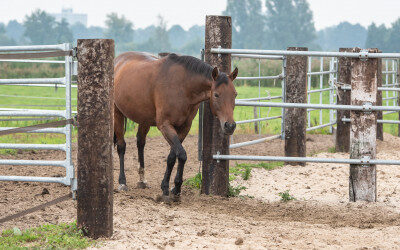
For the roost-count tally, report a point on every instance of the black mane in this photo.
(196, 66)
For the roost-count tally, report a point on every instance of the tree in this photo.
(120, 29)
(159, 41)
(62, 32)
(393, 38)
(343, 35)
(39, 28)
(177, 36)
(377, 37)
(248, 23)
(289, 23)
(4, 39)
(15, 30)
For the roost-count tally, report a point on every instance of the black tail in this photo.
(115, 136)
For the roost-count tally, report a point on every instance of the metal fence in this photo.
(324, 85)
(25, 55)
(310, 107)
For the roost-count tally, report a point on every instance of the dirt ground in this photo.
(320, 217)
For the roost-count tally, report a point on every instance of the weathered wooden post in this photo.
(343, 98)
(95, 134)
(362, 180)
(379, 126)
(296, 118)
(216, 173)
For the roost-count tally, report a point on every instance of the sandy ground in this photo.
(321, 217)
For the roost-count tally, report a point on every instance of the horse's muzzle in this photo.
(229, 127)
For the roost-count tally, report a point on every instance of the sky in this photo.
(190, 12)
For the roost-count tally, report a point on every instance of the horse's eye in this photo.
(216, 95)
(235, 95)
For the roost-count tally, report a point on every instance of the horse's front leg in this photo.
(177, 151)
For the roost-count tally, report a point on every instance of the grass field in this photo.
(35, 97)
(50, 96)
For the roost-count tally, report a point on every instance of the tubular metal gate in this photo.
(41, 51)
(394, 57)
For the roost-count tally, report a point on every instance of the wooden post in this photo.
(343, 98)
(163, 54)
(296, 118)
(95, 134)
(362, 181)
(379, 126)
(216, 174)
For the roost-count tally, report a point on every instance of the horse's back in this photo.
(133, 91)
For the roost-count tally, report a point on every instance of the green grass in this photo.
(62, 236)
(245, 89)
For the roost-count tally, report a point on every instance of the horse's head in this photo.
(222, 99)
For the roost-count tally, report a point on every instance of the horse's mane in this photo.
(196, 66)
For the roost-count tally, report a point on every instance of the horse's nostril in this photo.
(226, 125)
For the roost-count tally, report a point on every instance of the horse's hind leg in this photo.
(119, 130)
(141, 142)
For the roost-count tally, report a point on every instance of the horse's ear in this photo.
(215, 73)
(234, 74)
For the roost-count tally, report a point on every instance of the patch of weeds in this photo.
(64, 235)
(243, 171)
(265, 165)
(332, 150)
(247, 173)
(285, 196)
(194, 182)
(235, 191)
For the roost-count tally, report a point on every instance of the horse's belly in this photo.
(136, 108)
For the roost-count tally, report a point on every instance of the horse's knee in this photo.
(182, 157)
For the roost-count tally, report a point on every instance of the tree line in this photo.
(257, 24)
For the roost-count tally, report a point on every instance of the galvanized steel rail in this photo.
(362, 54)
(365, 161)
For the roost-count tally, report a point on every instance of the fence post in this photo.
(95, 118)
(362, 180)
(379, 126)
(343, 98)
(296, 118)
(216, 173)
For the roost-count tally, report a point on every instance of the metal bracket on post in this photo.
(367, 107)
(363, 55)
(219, 54)
(365, 159)
(218, 153)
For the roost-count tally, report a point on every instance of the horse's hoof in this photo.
(123, 187)
(175, 197)
(163, 198)
(142, 185)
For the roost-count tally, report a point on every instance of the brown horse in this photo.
(167, 93)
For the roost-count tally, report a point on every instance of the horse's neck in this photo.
(198, 90)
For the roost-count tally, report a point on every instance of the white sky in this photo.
(189, 12)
